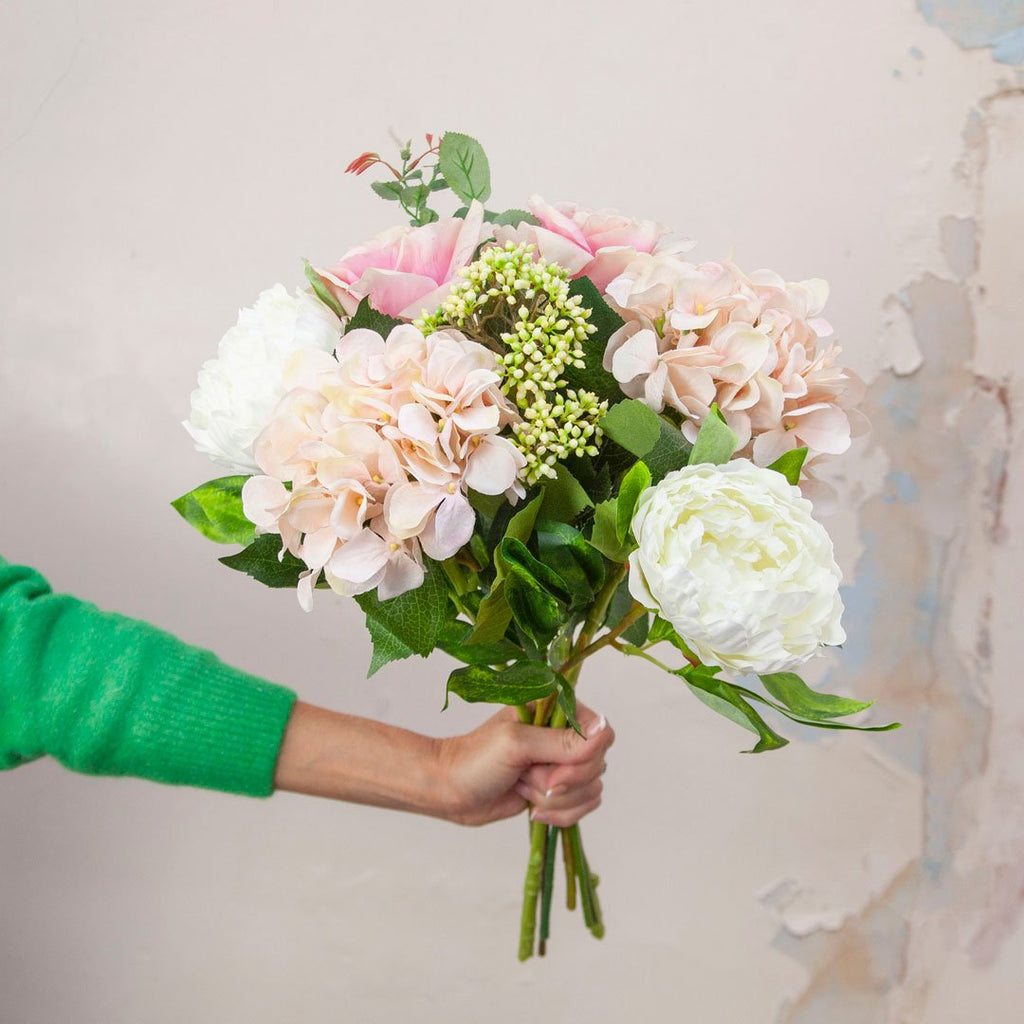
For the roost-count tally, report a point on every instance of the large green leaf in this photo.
(620, 604)
(411, 623)
(215, 510)
(495, 614)
(632, 425)
(715, 441)
(592, 376)
(564, 497)
(816, 723)
(368, 317)
(578, 563)
(634, 483)
(790, 464)
(515, 553)
(518, 684)
(464, 164)
(536, 610)
(264, 562)
(670, 452)
(701, 679)
(604, 535)
(792, 691)
(454, 640)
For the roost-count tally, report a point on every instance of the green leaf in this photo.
(634, 483)
(632, 425)
(515, 553)
(215, 510)
(814, 723)
(670, 452)
(578, 563)
(567, 703)
(389, 190)
(261, 560)
(513, 218)
(322, 292)
(454, 641)
(518, 684)
(701, 679)
(463, 163)
(790, 464)
(593, 376)
(715, 441)
(368, 317)
(495, 613)
(536, 610)
(564, 497)
(792, 691)
(410, 623)
(604, 535)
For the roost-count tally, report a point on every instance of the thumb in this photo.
(541, 745)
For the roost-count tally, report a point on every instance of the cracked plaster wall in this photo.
(158, 166)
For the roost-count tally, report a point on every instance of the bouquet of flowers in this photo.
(523, 437)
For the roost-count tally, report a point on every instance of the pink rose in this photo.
(406, 271)
(598, 244)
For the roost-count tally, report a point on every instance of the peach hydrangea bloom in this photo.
(598, 244)
(698, 334)
(407, 271)
(380, 444)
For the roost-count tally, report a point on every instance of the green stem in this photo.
(570, 872)
(548, 887)
(531, 890)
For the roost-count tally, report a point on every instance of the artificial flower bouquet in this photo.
(527, 436)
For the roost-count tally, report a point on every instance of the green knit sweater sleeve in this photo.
(109, 695)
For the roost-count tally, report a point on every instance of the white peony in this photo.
(239, 389)
(731, 556)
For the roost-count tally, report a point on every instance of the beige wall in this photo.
(160, 164)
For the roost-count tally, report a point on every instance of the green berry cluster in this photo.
(520, 307)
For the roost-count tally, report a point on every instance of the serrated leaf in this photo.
(790, 464)
(264, 562)
(408, 624)
(322, 292)
(389, 190)
(520, 683)
(463, 162)
(367, 317)
(634, 483)
(715, 441)
(564, 497)
(670, 452)
(215, 510)
(792, 691)
(632, 425)
(513, 218)
(593, 376)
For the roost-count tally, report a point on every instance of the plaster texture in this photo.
(161, 164)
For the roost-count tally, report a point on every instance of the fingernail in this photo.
(557, 791)
(595, 727)
(535, 815)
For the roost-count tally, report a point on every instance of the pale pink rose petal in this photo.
(772, 445)
(317, 547)
(449, 528)
(402, 573)
(408, 506)
(638, 355)
(304, 588)
(263, 501)
(414, 421)
(479, 419)
(825, 429)
(493, 467)
(361, 558)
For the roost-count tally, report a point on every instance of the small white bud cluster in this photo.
(509, 296)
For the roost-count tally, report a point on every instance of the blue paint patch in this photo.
(901, 487)
(916, 53)
(901, 401)
(997, 24)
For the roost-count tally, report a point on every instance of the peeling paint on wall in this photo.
(997, 24)
(935, 537)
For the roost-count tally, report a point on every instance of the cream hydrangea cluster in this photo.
(520, 307)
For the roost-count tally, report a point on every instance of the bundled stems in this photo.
(538, 886)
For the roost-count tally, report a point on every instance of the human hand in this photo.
(497, 769)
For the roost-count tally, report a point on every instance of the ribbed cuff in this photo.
(203, 723)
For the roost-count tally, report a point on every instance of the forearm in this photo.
(343, 757)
